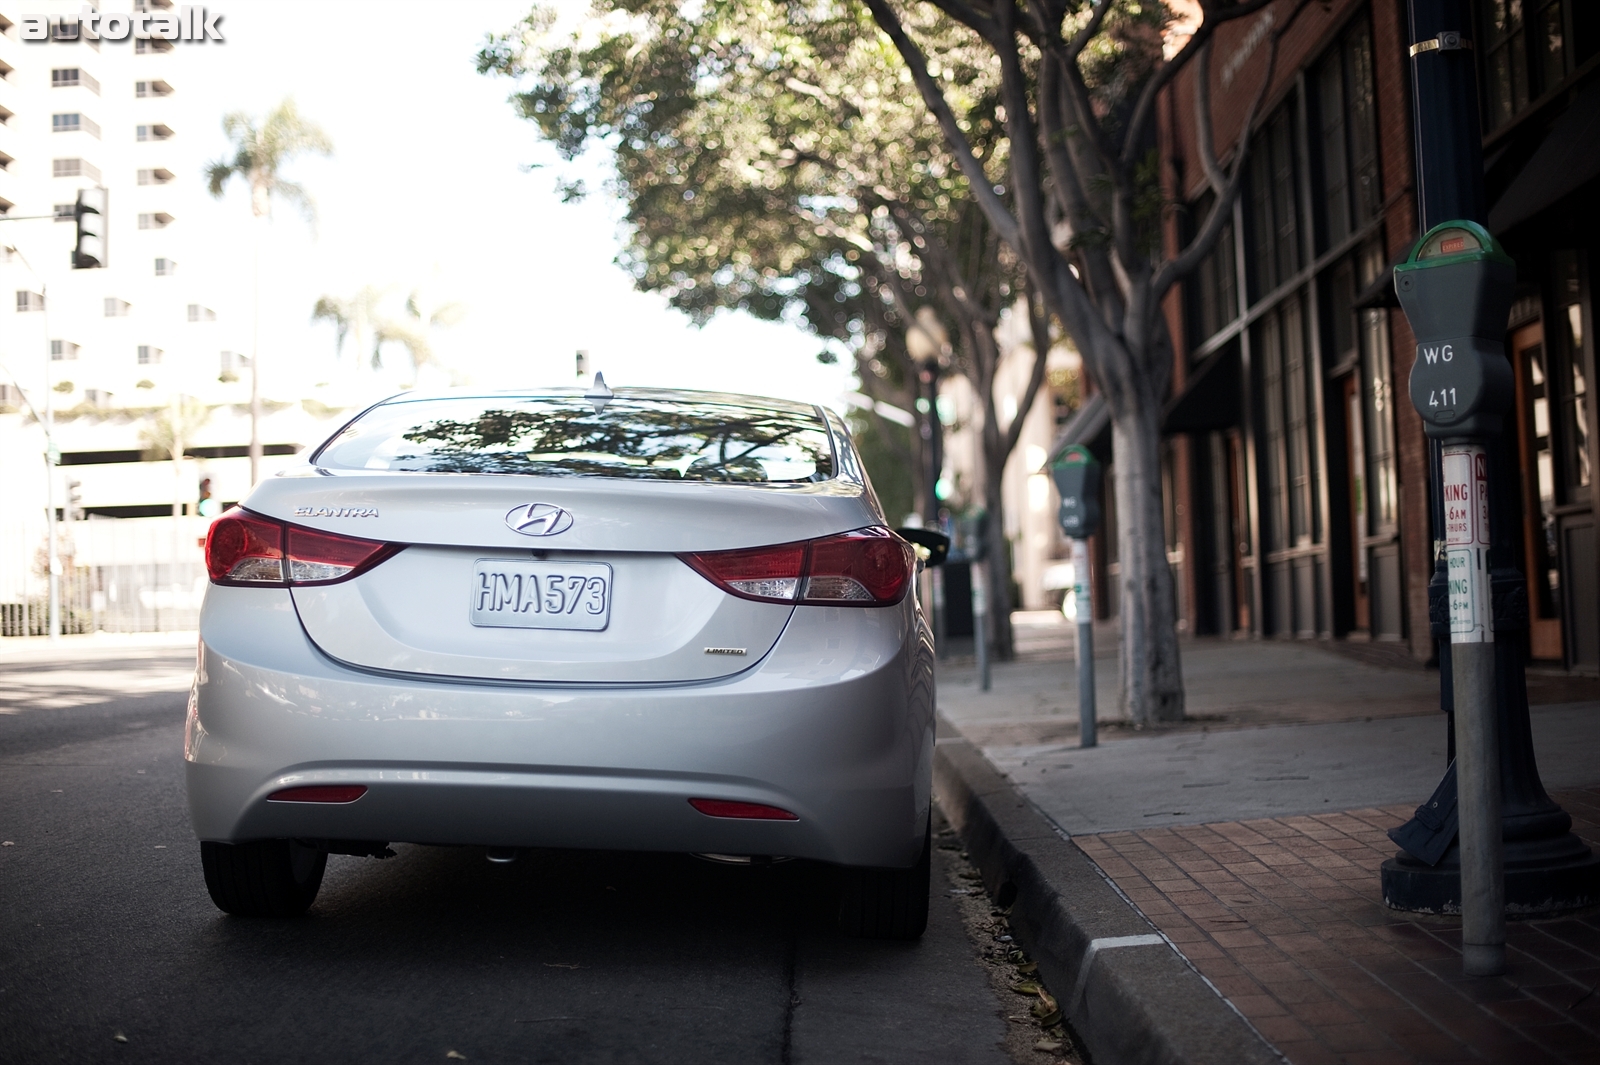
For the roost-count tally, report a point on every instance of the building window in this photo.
(116, 308)
(149, 355)
(72, 77)
(72, 122)
(97, 397)
(145, 89)
(74, 168)
(155, 132)
(66, 212)
(29, 301)
(166, 267)
(63, 351)
(1518, 65)
(155, 176)
(197, 313)
(1274, 205)
(1214, 290)
(1289, 423)
(155, 220)
(1346, 136)
(151, 46)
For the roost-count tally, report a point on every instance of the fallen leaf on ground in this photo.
(1028, 967)
(1026, 987)
(119, 1038)
(7, 843)
(1047, 1045)
(456, 1055)
(1050, 1020)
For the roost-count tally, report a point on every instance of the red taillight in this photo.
(771, 574)
(752, 811)
(864, 567)
(244, 548)
(867, 567)
(334, 793)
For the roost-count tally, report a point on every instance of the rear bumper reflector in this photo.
(334, 793)
(754, 811)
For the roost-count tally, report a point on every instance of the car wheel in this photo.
(267, 878)
(887, 903)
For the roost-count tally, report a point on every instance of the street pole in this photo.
(1083, 608)
(933, 446)
(52, 553)
(981, 610)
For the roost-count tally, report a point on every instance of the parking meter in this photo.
(1076, 473)
(1456, 290)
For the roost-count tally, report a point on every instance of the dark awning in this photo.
(1211, 400)
(1569, 157)
(1090, 426)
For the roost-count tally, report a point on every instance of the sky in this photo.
(429, 188)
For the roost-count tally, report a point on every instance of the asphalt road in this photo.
(106, 929)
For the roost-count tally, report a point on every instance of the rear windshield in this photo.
(651, 439)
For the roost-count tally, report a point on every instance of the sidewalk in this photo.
(1250, 839)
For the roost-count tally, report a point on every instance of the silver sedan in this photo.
(643, 620)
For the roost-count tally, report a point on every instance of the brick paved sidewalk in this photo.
(1284, 916)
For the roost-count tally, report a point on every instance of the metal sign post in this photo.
(1077, 477)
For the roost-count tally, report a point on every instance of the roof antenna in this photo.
(599, 394)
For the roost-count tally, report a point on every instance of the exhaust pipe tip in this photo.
(502, 855)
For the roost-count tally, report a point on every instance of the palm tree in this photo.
(260, 151)
(413, 329)
(357, 315)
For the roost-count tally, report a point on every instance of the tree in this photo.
(363, 315)
(772, 160)
(1080, 81)
(357, 315)
(260, 152)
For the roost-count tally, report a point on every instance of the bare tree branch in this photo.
(1215, 15)
(1039, 324)
(955, 138)
(1187, 260)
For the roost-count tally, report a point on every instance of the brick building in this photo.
(1298, 469)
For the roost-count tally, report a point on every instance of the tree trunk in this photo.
(1152, 680)
(1000, 635)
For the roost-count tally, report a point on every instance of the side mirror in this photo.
(932, 547)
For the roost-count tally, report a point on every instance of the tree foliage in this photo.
(773, 157)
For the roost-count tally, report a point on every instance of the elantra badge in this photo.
(539, 519)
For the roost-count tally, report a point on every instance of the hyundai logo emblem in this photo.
(538, 519)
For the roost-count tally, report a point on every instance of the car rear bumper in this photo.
(835, 725)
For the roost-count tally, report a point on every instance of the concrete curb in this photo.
(1130, 995)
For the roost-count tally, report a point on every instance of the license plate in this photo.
(508, 593)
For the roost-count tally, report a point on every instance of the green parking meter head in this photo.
(1076, 473)
(1456, 288)
(975, 534)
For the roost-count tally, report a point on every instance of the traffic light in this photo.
(74, 501)
(89, 251)
(208, 507)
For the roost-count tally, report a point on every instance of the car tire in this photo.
(266, 878)
(887, 903)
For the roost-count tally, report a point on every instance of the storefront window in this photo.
(1569, 317)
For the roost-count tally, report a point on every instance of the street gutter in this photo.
(1127, 991)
